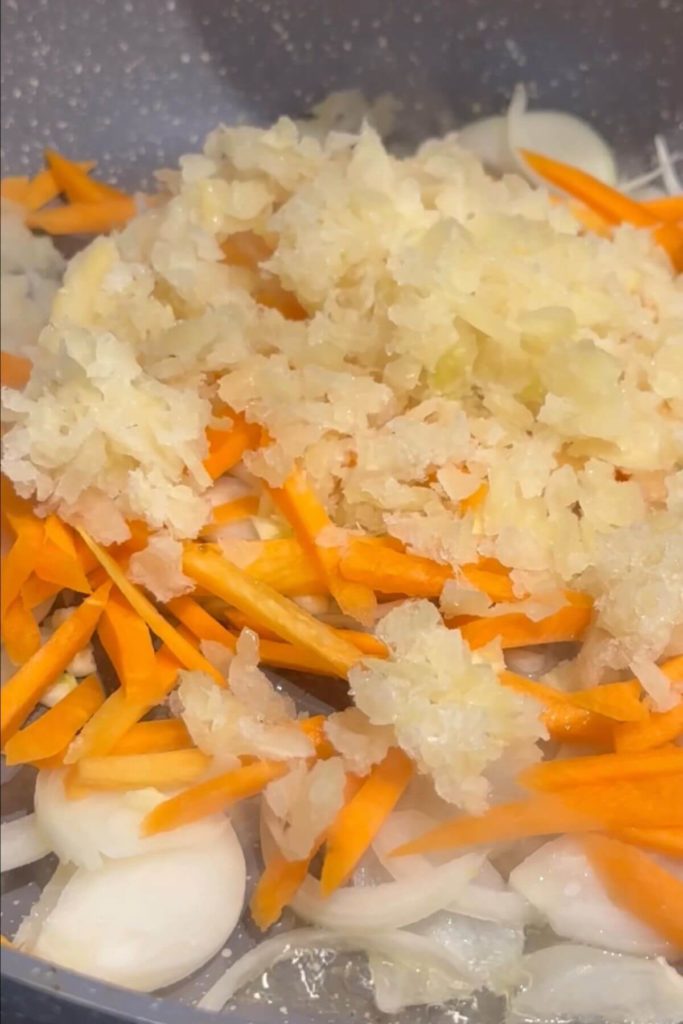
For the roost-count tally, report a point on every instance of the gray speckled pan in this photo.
(135, 83)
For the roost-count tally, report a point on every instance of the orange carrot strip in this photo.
(138, 771)
(212, 796)
(564, 721)
(20, 633)
(75, 183)
(35, 591)
(17, 566)
(308, 518)
(120, 713)
(43, 188)
(668, 841)
(219, 576)
(283, 565)
(653, 731)
(15, 370)
(184, 651)
(226, 447)
(665, 208)
(619, 701)
(276, 888)
(629, 803)
(83, 218)
(53, 731)
(154, 737)
(515, 630)
(579, 771)
(359, 821)
(198, 621)
(128, 644)
(15, 189)
(23, 691)
(233, 511)
(640, 885)
(57, 559)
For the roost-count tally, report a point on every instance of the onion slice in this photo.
(22, 842)
(388, 905)
(416, 951)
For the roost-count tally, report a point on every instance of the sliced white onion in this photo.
(22, 842)
(85, 831)
(560, 883)
(416, 951)
(29, 929)
(486, 897)
(581, 984)
(147, 922)
(389, 905)
(497, 140)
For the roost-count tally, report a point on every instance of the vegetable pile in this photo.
(411, 435)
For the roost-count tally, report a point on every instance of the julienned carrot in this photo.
(17, 566)
(618, 701)
(53, 731)
(75, 183)
(359, 821)
(578, 771)
(276, 888)
(127, 641)
(83, 218)
(154, 737)
(665, 208)
(668, 841)
(57, 559)
(282, 564)
(43, 188)
(23, 691)
(35, 591)
(119, 713)
(199, 622)
(564, 721)
(171, 768)
(396, 572)
(227, 446)
(640, 885)
(15, 188)
(234, 511)
(20, 633)
(220, 577)
(654, 730)
(212, 796)
(516, 630)
(309, 520)
(628, 803)
(188, 655)
(14, 370)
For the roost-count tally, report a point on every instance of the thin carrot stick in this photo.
(75, 183)
(515, 630)
(640, 885)
(666, 208)
(57, 560)
(35, 591)
(53, 731)
(20, 633)
(184, 651)
(128, 644)
(83, 218)
(359, 821)
(23, 691)
(276, 888)
(668, 841)
(629, 803)
(154, 737)
(119, 713)
(212, 796)
(306, 515)
(226, 447)
(43, 188)
(618, 701)
(198, 621)
(234, 511)
(15, 370)
(219, 576)
(283, 565)
(564, 720)
(579, 771)
(18, 564)
(653, 731)
(165, 770)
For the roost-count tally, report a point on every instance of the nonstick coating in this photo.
(136, 83)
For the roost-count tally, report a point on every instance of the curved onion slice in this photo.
(415, 951)
(147, 922)
(583, 984)
(486, 897)
(22, 842)
(85, 831)
(29, 929)
(389, 905)
(559, 881)
(565, 137)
